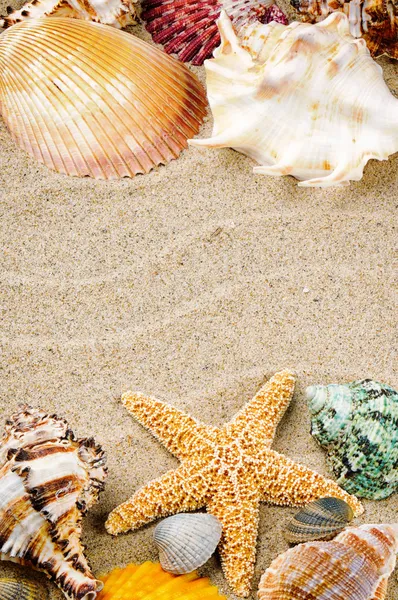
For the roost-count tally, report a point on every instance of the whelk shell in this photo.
(89, 100)
(189, 28)
(149, 582)
(374, 20)
(357, 423)
(20, 589)
(186, 541)
(301, 100)
(118, 13)
(319, 520)
(48, 480)
(356, 565)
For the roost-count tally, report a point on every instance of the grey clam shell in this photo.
(20, 589)
(319, 520)
(186, 541)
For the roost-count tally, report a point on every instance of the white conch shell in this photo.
(88, 100)
(48, 479)
(302, 100)
(118, 13)
(356, 565)
(186, 541)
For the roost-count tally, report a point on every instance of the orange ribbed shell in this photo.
(88, 100)
(149, 582)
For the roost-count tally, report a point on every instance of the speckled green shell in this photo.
(20, 589)
(357, 424)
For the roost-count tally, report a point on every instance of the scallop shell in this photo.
(186, 541)
(188, 27)
(374, 20)
(150, 582)
(48, 480)
(357, 424)
(356, 565)
(118, 13)
(20, 589)
(319, 520)
(87, 99)
(296, 99)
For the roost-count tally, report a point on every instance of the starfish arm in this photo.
(175, 491)
(285, 482)
(259, 418)
(178, 432)
(235, 504)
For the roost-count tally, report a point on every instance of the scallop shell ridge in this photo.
(275, 95)
(101, 103)
(186, 541)
(321, 519)
(20, 589)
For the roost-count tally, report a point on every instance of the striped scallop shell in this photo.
(276, 95)
(20, 589)
(118, 13)
(89, 100)
(186, 541)
(188, 27)
(356, 565)
(376, 21)
(150, 582)
(319, 520)
(48, 480)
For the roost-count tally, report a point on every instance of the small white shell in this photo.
(186, 541)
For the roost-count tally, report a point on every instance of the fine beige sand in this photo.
(194, 283)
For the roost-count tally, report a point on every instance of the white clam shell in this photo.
(186, 541)
(302, 100)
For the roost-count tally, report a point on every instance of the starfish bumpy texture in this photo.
(228, 470)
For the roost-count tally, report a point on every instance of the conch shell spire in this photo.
(302, 100)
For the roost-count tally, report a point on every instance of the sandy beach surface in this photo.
(194, 283)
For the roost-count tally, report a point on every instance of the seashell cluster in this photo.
(48, 481)
(186, 541)
(319, 520)
(118, 13)
(276, 95)
(356, 565)
(357, 424)
(189, 28)
(101, 103)
(150, 582)
(374, 20)
(20, 589)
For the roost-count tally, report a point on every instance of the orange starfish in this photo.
(229, 470)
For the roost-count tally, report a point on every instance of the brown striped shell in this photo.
(356, 565)
(20, 589)
(88, 100)
(319, 520)
(48, 480)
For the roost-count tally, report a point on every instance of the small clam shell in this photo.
(319, 520)
(186, 541)
(20, 589)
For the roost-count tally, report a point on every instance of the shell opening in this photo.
(90, 596)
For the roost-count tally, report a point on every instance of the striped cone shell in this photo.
(188, 27)
(89, 100)
(356, 565)
(48, 480)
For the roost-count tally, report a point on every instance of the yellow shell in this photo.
(86, 99)
(149, 582)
